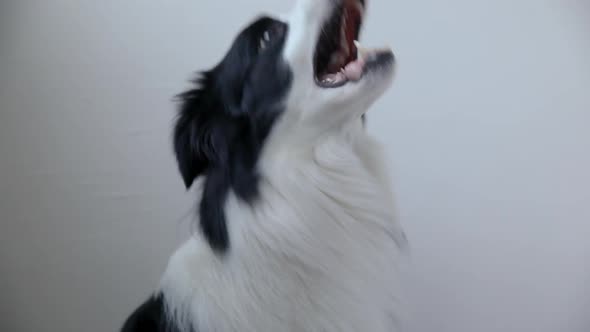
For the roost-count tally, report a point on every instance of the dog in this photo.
(297, 230)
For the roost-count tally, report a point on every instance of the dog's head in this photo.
(283, 82)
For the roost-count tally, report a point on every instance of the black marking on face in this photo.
(223, 122)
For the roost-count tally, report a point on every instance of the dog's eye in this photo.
(272, 33)
(265, 40)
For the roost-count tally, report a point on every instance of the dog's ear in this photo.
(198, 141)
(202, 137)
(191, 160)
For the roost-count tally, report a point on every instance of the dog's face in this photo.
(299, 77)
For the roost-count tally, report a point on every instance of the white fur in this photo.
(320, 249)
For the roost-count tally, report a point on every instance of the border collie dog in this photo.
(297, 228)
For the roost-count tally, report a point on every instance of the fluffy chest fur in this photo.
(318, 251)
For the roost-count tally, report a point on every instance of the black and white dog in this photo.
(297, 229)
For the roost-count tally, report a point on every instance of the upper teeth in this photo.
(358, 49)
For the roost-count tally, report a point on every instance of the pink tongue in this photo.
(354, 70)
(351, 72)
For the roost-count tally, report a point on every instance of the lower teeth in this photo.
(334, 78)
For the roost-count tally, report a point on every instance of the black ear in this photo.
(202, 137)
(190, 163)
(195, 144)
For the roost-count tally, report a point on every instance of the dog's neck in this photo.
(340, 172)
(306, 239)
(291, 145)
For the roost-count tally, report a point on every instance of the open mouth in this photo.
(337, 58)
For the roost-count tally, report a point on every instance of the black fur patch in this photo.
(224, 121)
(150, 316)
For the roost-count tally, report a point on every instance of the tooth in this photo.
(361, 52)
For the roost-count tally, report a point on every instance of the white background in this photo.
(487, 128)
